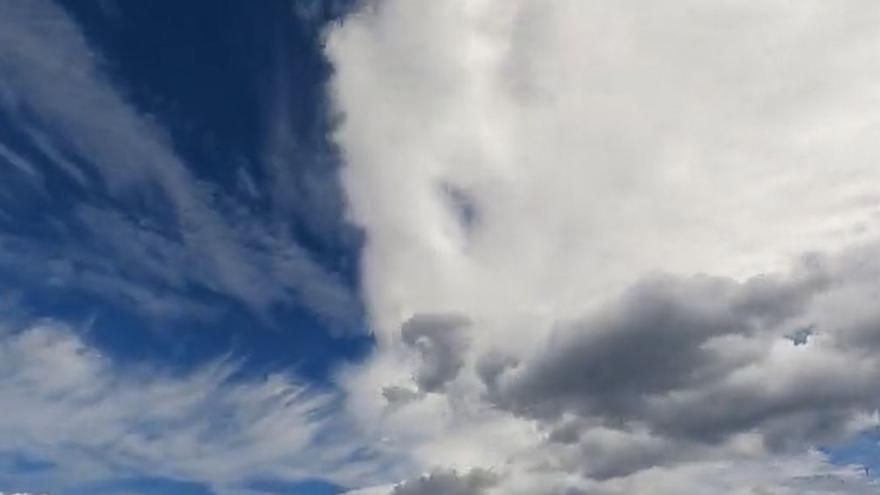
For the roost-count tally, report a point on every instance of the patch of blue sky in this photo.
(863, 450)
(238, 85)
(295, 341)
(16, 462)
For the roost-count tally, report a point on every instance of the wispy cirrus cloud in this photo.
(133, 196)
(85, 419)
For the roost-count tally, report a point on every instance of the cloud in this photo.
(167, 227)
(680, 377)
(597, 144)
(89, 419)
(682, 367)
(441, 344)
(18, 162)
(447, 483)
(612, 197)
(695, 349)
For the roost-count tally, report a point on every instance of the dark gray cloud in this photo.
(652, 341)
(441, 343)
(475, 482)
(397, 396)
(675, 372)
(619, 454)
(690, 362)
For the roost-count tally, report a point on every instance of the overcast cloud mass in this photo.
(457, 247)
(667, 252)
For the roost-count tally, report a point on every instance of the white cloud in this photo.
(591, 145)
(92, 419)
(598, 143)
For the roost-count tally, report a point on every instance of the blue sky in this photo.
(189, 138)
(317, 247)
(230, 90)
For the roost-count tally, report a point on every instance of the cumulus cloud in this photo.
(697, 352)
(613, 196)
(680, 365)
(596, 143)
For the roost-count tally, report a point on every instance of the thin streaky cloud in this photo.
(54, 77)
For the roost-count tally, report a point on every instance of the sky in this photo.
(458, 247)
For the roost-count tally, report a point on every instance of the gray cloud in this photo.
(476, 482)
(698, 360)
(675, 373)
(441, 343)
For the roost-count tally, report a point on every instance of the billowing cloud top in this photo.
(659, 222)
